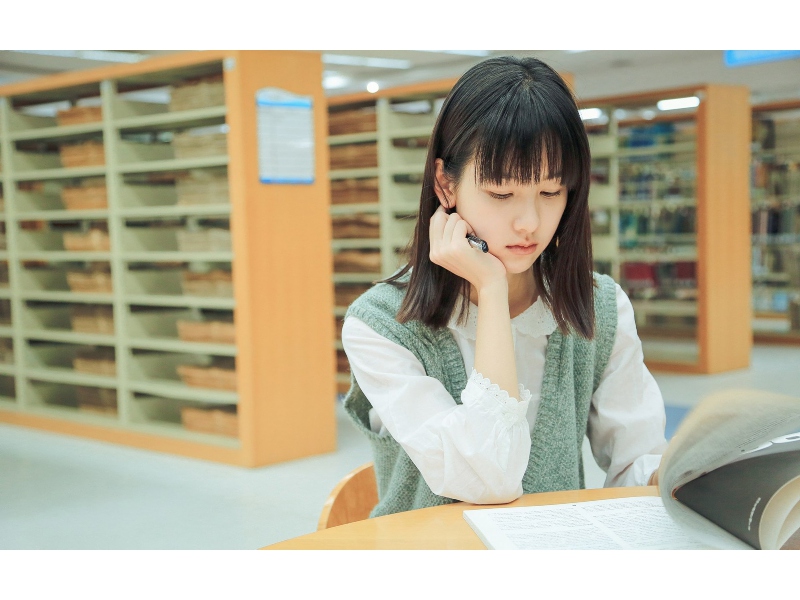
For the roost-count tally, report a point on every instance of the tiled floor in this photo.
(61, 492)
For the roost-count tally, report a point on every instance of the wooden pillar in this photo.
(724, 230)
(283, 270)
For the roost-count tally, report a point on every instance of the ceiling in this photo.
(596, 73)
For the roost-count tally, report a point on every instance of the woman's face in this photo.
(517, 221)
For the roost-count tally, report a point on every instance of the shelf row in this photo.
(154, 408)
(203, 377)
(49, 167)
(128, 115)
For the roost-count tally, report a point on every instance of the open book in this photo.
(730, 478)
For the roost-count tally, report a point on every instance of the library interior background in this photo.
(155, 390)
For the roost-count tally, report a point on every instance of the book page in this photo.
(723, 427)
(617, 524)
(781, 518)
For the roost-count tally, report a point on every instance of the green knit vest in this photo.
(572, 372)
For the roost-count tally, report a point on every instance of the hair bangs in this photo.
(525, 142)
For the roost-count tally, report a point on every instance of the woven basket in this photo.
(342, 364)
(93, 319)
(93, 240)
(352, 121)
(338, 322)
(83, 154)
(95, 281)
(356, 226)
(6, 350)
(211, 190)
(197, 93)
(187, 145)
(95, 361)
(214, 239)
(216, 283)
(354, 191)
(357, 261)
(93, 399)
(345, 294)
(85, 197)
(212, 332)
(79, 114)
(213, 377)
(354, 156)
(221, 421)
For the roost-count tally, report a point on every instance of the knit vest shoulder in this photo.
(572, 372)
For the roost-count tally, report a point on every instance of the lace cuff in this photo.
(481, 392)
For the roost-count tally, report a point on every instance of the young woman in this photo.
(476, 375)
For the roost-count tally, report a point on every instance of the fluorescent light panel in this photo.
(678, 103)
(101, 55)
(587, 114)
(460, 52)
(365, 61)
(333, 81)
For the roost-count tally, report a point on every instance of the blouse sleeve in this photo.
(475, 452)
(627, 417)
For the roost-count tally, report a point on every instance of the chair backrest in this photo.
(352, 499)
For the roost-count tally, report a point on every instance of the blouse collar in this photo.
(534, 321)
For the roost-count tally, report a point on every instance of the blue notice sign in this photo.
(740, 58)
(285, 137)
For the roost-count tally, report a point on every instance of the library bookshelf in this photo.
(775, 197)
(671, 221)
(136, 228)
(378, 145)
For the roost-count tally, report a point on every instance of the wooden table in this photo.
(436, 528)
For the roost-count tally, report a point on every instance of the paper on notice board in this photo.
(285, 136)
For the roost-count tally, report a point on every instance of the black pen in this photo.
(477, 243)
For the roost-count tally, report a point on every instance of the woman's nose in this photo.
(528, 219)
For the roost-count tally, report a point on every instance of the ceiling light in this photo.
(460, 52)
(373, 87)
(620, 113)
(677, 103)
(333, 81)
(365, 61)
(587, 114)
(648, 114)
(102, 55)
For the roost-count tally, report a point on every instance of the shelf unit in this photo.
(118, 362)
(382, 208)
(378, 144)
(775, 198)
(670, 221)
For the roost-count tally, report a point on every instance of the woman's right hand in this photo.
(451, 250)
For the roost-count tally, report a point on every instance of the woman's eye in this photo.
(499, 196)
(551, 194)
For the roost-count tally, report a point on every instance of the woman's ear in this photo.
(443, 186)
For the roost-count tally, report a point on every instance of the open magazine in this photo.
(730, 478)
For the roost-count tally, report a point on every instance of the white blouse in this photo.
(478, 451)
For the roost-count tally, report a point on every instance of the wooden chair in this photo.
(352, 499)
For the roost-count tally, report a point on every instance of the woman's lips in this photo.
(522, 250)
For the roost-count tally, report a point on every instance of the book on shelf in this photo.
(729, 479)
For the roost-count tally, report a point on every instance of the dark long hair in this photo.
(511, 115)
